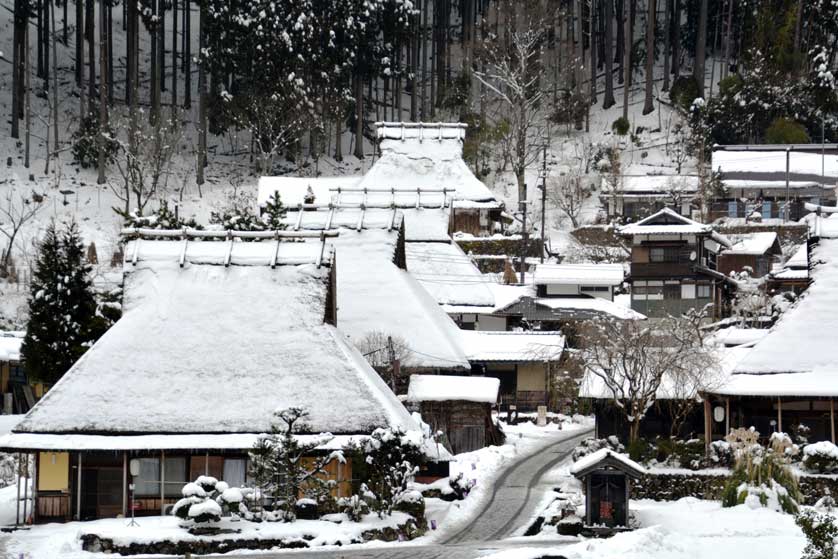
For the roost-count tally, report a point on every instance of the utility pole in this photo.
(788, 208)
(544, 200)
(395, 365)
(522, 266)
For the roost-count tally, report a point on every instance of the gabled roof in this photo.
(209, 349)
(666, 221)
(519, 347)
(579, 274)
(448, 274)
(445, 388)
(756, 244)
(605, 458)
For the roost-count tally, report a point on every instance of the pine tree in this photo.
(275, 213)
(63, 321)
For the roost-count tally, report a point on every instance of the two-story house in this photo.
(673, 265)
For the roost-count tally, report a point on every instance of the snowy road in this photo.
(512, 506)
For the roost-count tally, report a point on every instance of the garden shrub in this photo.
(86, 141)
(721, 454)
(762, 478)
(683, 92)
(591, 445)
(820, 532)
(206, 499)
(786, 131)
(821, 457)
(621, 126)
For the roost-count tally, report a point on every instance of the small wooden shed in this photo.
(607, 476)
(458, 406)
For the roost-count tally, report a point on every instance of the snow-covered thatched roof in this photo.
(210, 349)
(374, 295)
(448, 274)
(798, 357)
(424, 155)
(755, 244)
(444, 388)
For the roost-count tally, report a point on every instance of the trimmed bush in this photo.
(786, 131)
(821, 457)
(621, 126)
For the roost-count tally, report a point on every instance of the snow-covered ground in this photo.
(687, 529)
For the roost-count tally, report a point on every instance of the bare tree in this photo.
(383, 351)
(631, 358)
(144, 159)
(514, 77)
(16, 209)
(275, 123)
(569, 191)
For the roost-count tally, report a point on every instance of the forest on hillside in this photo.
(124, 87)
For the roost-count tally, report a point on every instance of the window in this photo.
(234, 471)
(702, 291)
(594, 288)
(672, 291)
(175, 475)
(766, 210)
(732, 209)
(688, 291)
(663, 254)
(147, 484)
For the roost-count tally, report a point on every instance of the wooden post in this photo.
(124, 484)
(17, 501)
(36, 462)
(78, 489)
(779, 415)
(708, 424)
(727, 416)
(162, 482)
(832, 418)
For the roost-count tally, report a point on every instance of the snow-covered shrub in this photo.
(206, 499)
(355, 507)
(821, 457)
(288, 469)
(820, 531)
(762, 478)
(721, 454)
(237, 214)
(161, 218)
(86, 141)
(591, 445)
(460, 486)
(392, 457)
(782, 444)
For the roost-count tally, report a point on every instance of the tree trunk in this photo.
(359, 116)
(79, 43)
(65, 38)
(90, 28)
(54, 93)
(110, 54)
(728, 38)
(128, 25)
(16, 74)
(202, 100)
(580, 52)
(700, 46)
(424, 60)
(649, 106)
(187, 55)
(174, 56)
(161, 47)
(629, 31)
(103, 90)
(39, 39)
(46, 35)
(667, 41)
(621, 14)
(154, 75)
(27, 69)
(676, 40)
(609, 101)
(592, 45)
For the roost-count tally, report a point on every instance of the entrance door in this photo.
(101, 492)
(608, 495)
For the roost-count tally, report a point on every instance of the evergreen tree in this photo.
(63, 321)
(275, 213)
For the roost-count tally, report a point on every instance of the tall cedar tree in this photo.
(63, 321)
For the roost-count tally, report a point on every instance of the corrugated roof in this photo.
(539, 347)
(579, 274)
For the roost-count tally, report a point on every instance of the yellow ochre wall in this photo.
(54, 471)
(532, 376)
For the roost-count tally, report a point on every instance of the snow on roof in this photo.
(826, 227)
(791, 274)
(800, 258)
(293, 190)
(215, 253)
(666, 221)
(538, 347)
(426, 225)
(448, 274)
(442, 388)
(772, 185)
(734, 336)
(10, 343)
(213, 349)
(424, 155)
(595, 305)
(657, 184)
(753, 243)
(579, 274)
(771, 165)
(375, 295)
(803, 339)
(343, 218)
(590, 461)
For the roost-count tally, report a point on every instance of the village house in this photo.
(674, 266)
(458, 407)
(758, 252)
(523, 361)
(19, 394)
(637, 196)
(759, 180)
(216, 336)
(420, 171)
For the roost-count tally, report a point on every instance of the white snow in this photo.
(734, 336)
(579, 274)
(199, 348)
(522, 347)
(441, 388)
(593, 304)
(730, 161)
(595, 457)
(10, 343)
(658, 184)
(293, 190)
(448, 274)
(800, 258)
(752, 243)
